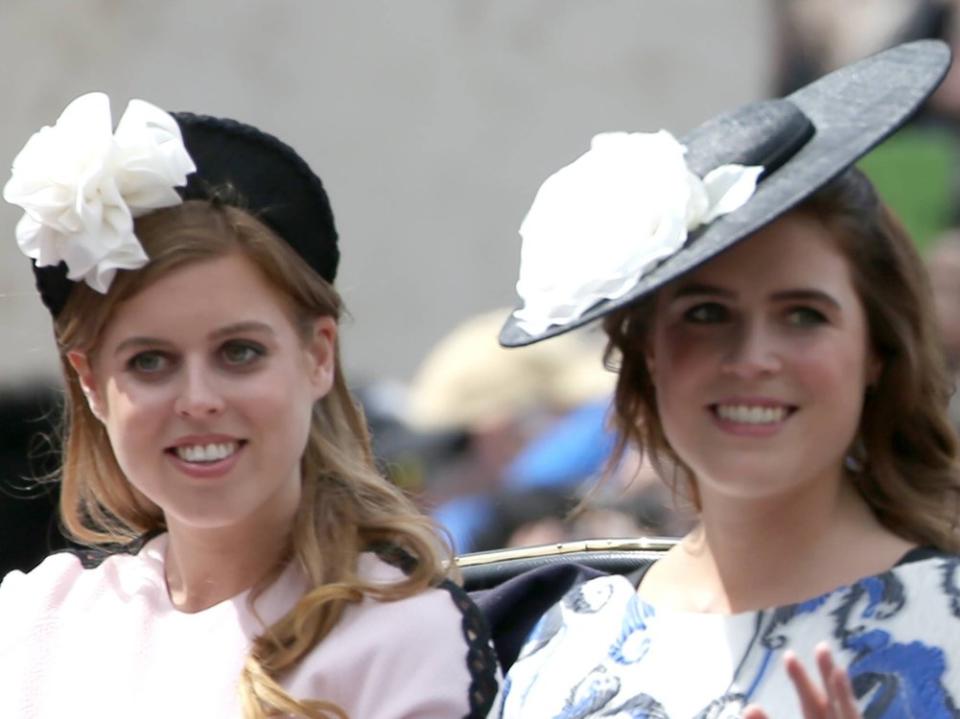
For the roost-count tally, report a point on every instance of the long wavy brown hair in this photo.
(906, 448)
(346, 506)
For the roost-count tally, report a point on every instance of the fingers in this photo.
(843, 697)
(839, 691)
(834, 701)
(752, 711)
(813, 701)
(824, 658)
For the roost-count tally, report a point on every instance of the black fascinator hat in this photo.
(270, 180)
(240, 165)
(801, 142)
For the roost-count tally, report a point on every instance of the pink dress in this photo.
(108, 643)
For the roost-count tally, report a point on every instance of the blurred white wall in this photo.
(432, 122)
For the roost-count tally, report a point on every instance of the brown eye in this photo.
(805, 317)
(241, 354)
(706, 313)
(149, 362)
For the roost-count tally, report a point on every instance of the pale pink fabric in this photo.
(107, 643)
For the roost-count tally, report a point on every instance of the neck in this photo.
(781, 527)
(751, 554)
(207, 566)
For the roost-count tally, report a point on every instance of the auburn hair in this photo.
(906, 448)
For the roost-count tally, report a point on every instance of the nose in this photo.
(198, 397)
(753, 352)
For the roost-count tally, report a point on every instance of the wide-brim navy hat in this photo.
(241, 165)
(802, 142)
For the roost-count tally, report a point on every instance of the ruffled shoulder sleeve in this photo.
(65, 586)
(26, 598)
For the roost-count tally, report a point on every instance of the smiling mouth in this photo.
(752, 414)
(206, 453)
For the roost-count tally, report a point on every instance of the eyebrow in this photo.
(696, 289)
(241, 327)
(807, 295)
(801, 294)
(236, 328)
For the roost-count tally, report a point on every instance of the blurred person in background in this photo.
(814, 37)
(943, 264)
(499, 400)
(562, 487)
(407, 455)
(917, 171)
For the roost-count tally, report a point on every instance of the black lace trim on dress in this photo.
(93, 557)
(481, 659)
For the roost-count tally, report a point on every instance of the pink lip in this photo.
(210, 470)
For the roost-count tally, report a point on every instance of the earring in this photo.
(856, 459)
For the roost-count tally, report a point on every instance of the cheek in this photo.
(286, 408)
(835, 385)
(134, 410)
(281, 401)
(134, 427)
(682, 369)
(283, 430)
(832, 379)
(832, 365)
(135, 422)
(680, 360)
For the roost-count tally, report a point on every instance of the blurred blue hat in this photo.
(573, 449)
(465, 518)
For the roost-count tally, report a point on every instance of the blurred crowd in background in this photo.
(503, 444)
(508, 448)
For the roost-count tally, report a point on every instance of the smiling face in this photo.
(206, 389)
(760, 360)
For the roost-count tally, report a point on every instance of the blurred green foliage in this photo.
(915, 172)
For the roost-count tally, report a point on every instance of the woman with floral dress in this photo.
(775, 341)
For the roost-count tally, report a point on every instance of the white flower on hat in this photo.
(598, 224)
(81, 184)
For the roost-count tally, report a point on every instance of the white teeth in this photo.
(751, 415)
(206, 452)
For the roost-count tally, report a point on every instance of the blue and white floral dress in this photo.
(604, 652)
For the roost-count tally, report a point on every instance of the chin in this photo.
(748, 481)
(206, 518)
